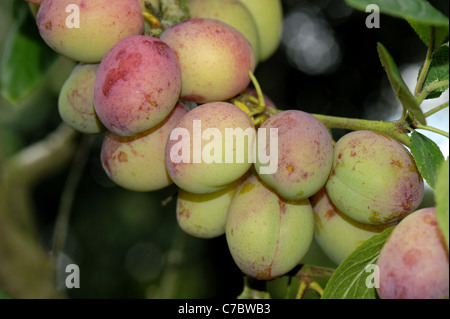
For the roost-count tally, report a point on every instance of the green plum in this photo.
(76, 100)
(215, 59)
(204, 215)
(374, 178)
(137, 163)
(268, 15)
(101, 25)
(266, 234)
(233, 13)
(210, 148)
(305, 154)
(336, 234)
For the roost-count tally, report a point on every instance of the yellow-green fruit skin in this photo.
(137, 163)
(335, 233)
(374, 178)
(197, 173)
(267, 235)
(268, 15)
(233, 13)
(76, 100)
(102, 25)
(205, 215)
(413, 263)
(305, 154)
(214, 57)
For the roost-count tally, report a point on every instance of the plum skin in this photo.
(335, 233)
(231, 12)
(305, 154)
(204, 215)
(102, 25)
(76, 100)
(266, 234)
(138, 84)
(203, 178)
(214, 57)
(374, 179)
(137, 163)
(413, 263)
(268, 16)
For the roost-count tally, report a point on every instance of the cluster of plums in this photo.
(134, 87)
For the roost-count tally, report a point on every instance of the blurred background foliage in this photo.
(128, 244)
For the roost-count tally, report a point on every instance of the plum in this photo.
(305, 154)
(76, 100)
(266, 234)
(215, 59)
(137, 85)
(335, 233)
(101, 25)
(374, 178)
(413, 263)
(204, 215)
(268, 15)
(137, 163)
(210, 148)
(233, 13)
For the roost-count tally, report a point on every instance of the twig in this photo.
(426, 64)
(436, 109)
(68, 195)
(26, 271)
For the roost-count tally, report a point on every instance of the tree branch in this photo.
(26, 270)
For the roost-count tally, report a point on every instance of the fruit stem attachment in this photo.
(258, 89)
(393, 129)
(255, 108)
(306, 276)
(307, 283)
(164, 14)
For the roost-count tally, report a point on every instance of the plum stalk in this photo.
(162, 14)
(396, 129)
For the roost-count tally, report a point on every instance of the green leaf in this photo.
(420, 11)
(428, 157)
(424, 31)
(438, 71)
(398, 84)
(26, 58)
(351, 278)
(441, 198)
